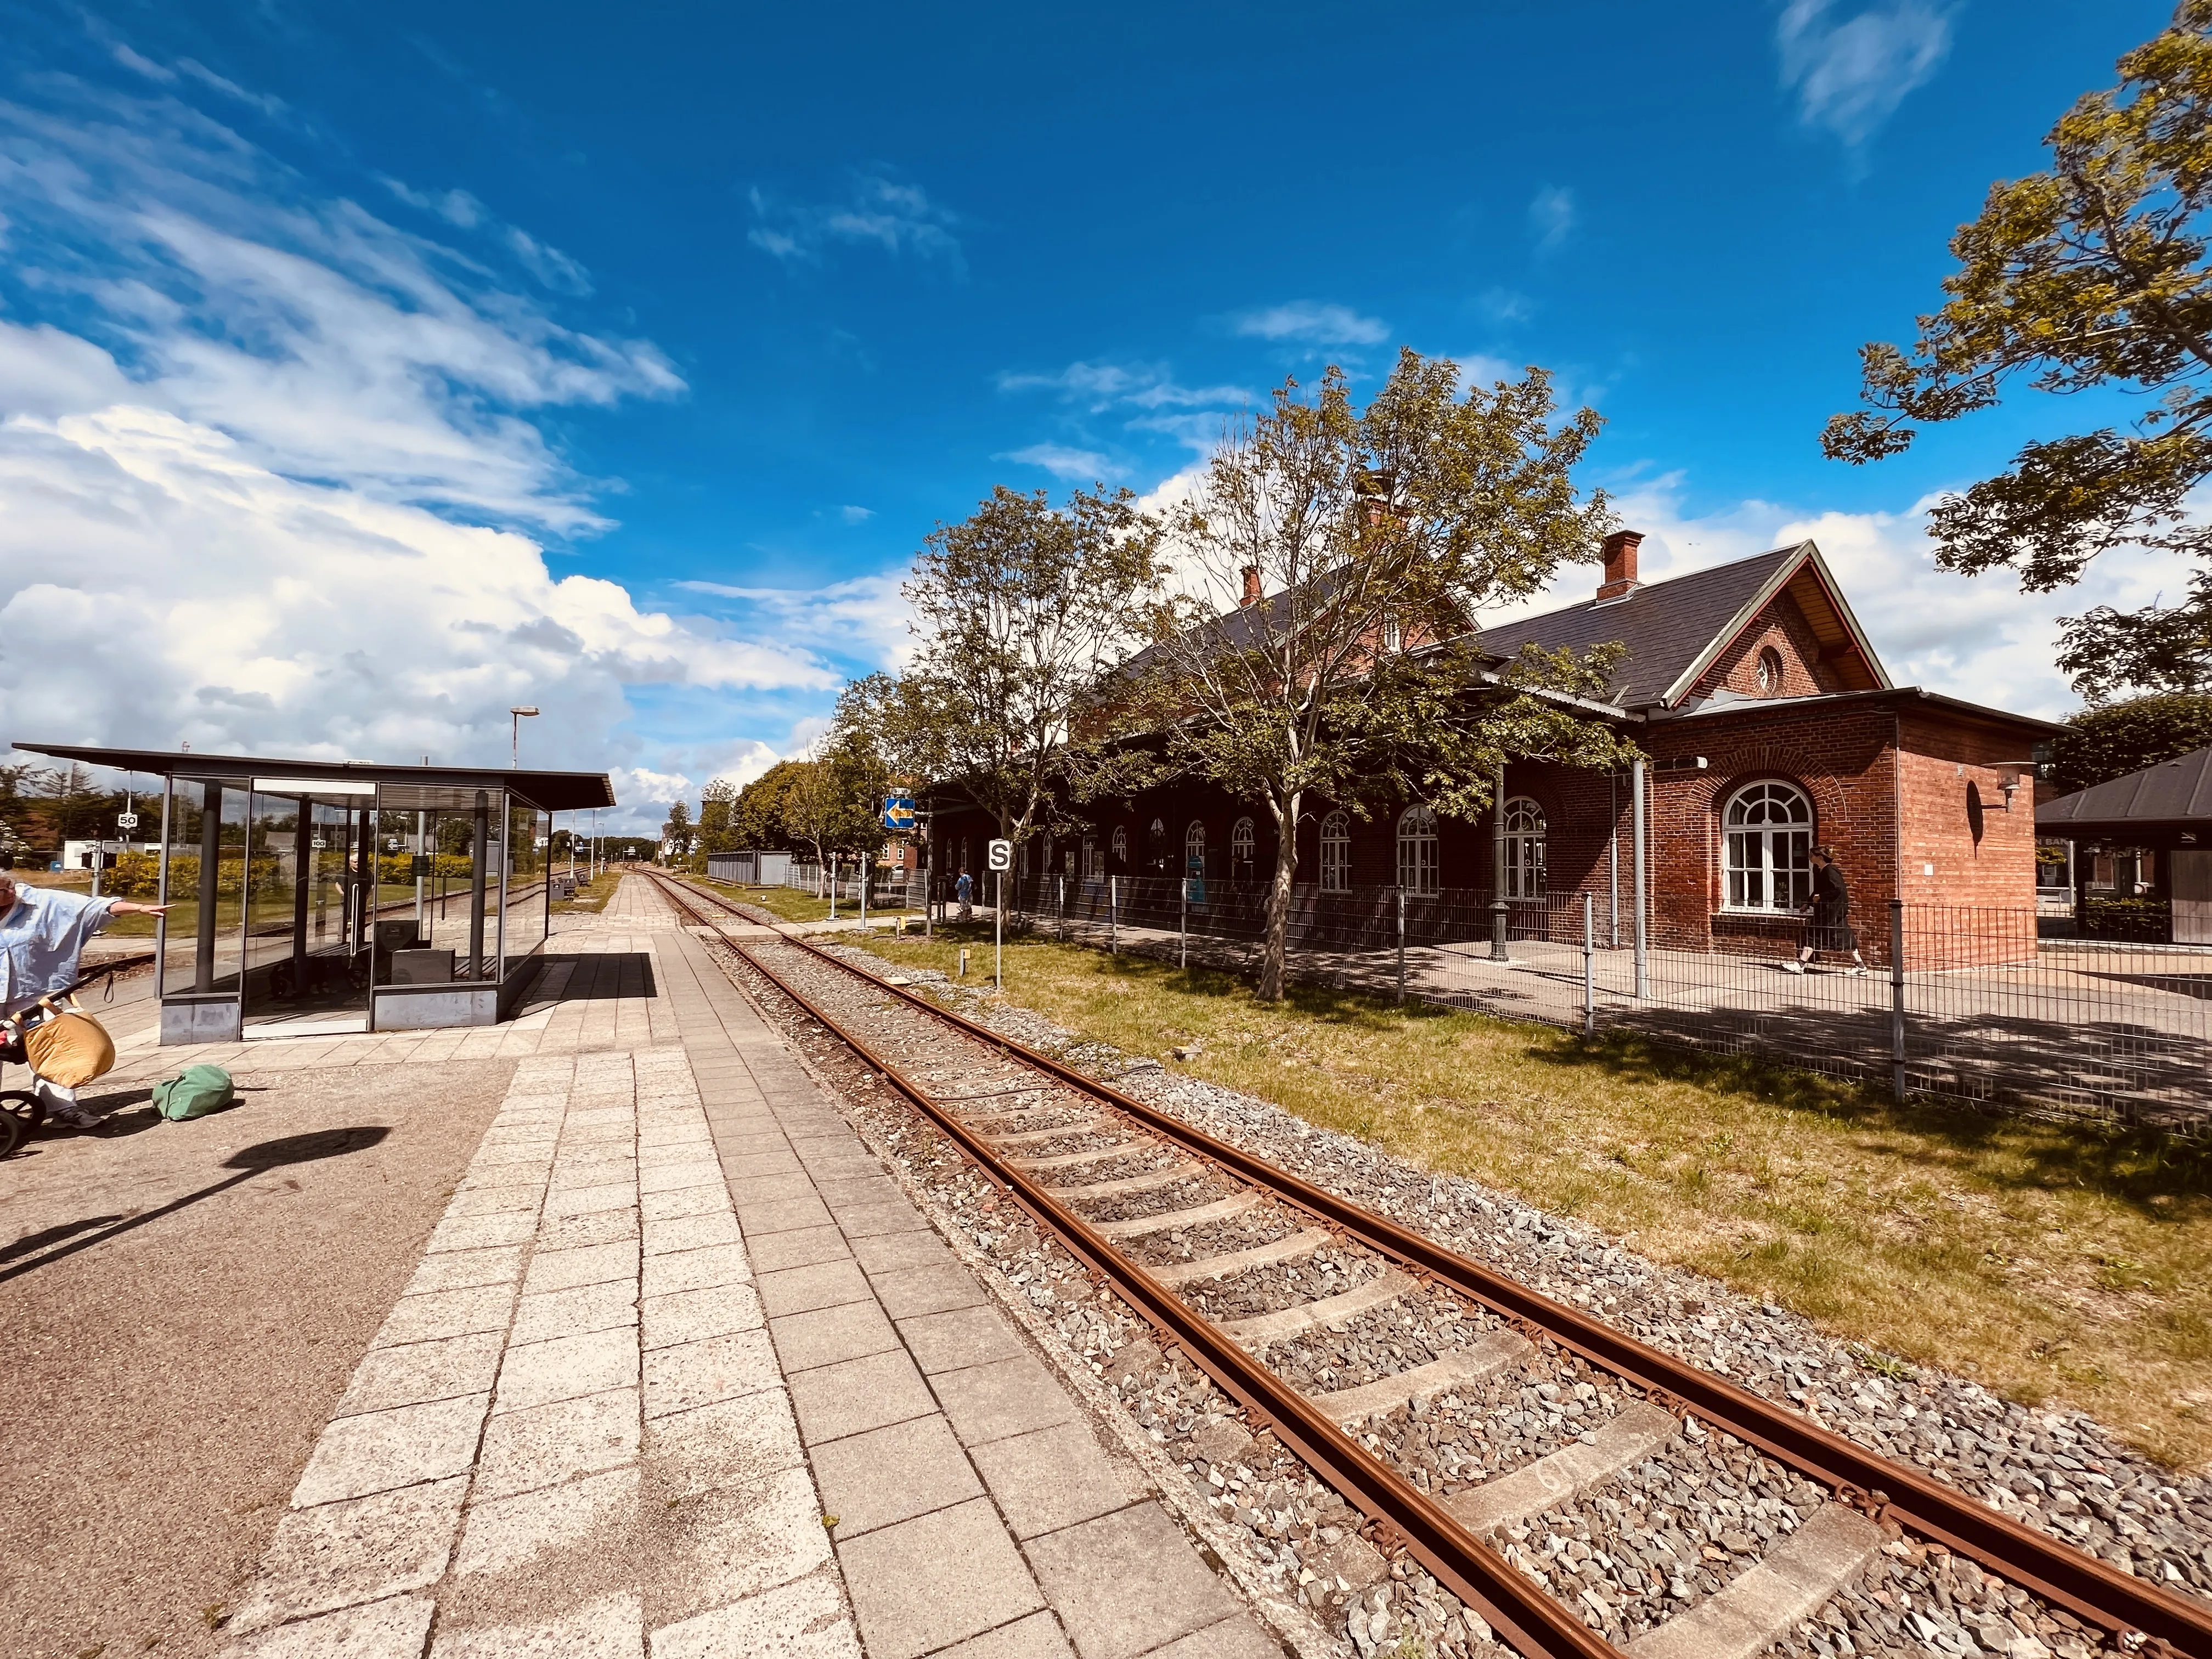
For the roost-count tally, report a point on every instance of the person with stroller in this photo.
(43, 931)
(1828, 917)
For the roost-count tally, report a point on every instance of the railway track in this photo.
(1272, 1281)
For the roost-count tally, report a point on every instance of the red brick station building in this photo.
(1772, 727)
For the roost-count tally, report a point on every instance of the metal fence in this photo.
(1962, 1002)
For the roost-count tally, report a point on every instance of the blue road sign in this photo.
(898, 812)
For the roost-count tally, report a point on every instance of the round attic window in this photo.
(1770, 672)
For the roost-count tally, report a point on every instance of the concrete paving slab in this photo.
(892, 1474)
(959, 1338)
(857, 1396)
(921, 1584)
(697, 1374)
(506, 1534)
(1036, 1637)
(801, 1621)
(605, 1627)
(548, 1444)
(909, 1291)
(377, 1451)
(388, 1630)
(824, 1285)
(735, 1442)
(363, 1549)
(1050, 1479)
(1128, 1582)
(1006, 1397)
(827, 1335)
(566, 1368)
(883, 1252)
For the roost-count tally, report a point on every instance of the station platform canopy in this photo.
(320, 897)
(550, 792)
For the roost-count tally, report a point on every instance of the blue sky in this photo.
(322, 322)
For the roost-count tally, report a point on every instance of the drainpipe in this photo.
(210, 856)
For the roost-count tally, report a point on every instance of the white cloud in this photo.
(864, 619)
(1551, 216)
(270, 490)
(1850, 75)
(856, 514)
(1978, 638)
(1062, 461)
(878, 211)
(1100, 387)
(1313, 323)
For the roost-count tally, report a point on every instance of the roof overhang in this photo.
(1808, 561)
(551, 792)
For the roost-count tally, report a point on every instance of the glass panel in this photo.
(528, 842)
(207, 874)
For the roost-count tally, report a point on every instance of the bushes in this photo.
(2146, 920)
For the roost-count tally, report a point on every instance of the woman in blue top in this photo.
(42, 932)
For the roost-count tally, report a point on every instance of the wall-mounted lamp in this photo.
(2018, 774)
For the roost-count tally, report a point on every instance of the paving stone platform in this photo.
(681, 1373)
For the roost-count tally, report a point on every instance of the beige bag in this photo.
(68, 1046)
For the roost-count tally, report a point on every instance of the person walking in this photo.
(42, 933)
(964, 890)
(1828, 917)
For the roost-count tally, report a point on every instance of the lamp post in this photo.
(520, 712)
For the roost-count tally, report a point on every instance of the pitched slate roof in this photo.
(2170, 792)
(1674, 627)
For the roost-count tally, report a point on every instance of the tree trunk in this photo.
(1273, 957)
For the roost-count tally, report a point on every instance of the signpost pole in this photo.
(998, 934)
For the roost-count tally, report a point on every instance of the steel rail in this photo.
(2089, 1588)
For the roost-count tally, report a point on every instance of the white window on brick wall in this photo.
(1768, 829)
(1336, 853)
(1120, 847)
(1524, 849)
(1417, 850)
(1194, 848)
(1241, 842)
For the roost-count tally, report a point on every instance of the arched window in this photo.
(1336, 853)
(1525, 849)
(1417, 850)
(1194, 848)
(1120, 847)
(1770, 672)
(1241, 844)
(1156, 848)
(1090, 860)
(1768, 831)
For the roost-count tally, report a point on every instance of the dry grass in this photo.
(2048, 1262)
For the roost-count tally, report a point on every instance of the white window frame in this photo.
(1417, 850)
(1122, 845)
(1336, 852)
(1243, 839)
(1525, 849)
(1194, 846)
(1766, 849)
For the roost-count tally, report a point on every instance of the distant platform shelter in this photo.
(315, 897)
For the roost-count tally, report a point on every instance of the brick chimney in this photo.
(1620, 565)
(1251, 585)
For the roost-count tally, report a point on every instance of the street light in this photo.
(520, 711)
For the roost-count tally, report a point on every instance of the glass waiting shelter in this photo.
(314, 897)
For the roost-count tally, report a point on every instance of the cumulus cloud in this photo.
(879, 211)
(269, 480)
(1313, 323)
(856, 514)
(1852, 73)
(1551, 216)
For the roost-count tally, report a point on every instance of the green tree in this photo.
(717, 811)
(832, 803)
(2120, 737)
(1378, 537)
(677, 834)
(1017, 606)
(2090, 276)
(757, 818)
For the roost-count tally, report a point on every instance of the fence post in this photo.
(867, 868)
(1643, 945)
(928, 902)
(1590, 968)
(1897, 998)
(833, 887)
(1401, 944)
(1060, 890)
(1182, 926)
(1112, 915)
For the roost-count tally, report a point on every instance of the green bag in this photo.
(194, 1092)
